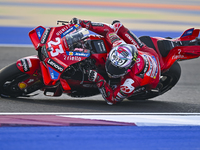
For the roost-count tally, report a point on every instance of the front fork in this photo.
(31, 66)
(38, 77)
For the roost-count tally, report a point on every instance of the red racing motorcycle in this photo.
(66, 53)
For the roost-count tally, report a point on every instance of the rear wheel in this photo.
(167, 81)
(170, 78)
(10, 77)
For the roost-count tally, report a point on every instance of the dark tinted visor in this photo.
(113, 70)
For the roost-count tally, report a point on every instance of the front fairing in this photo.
(54, 53)
(40, 35)
(57, 60)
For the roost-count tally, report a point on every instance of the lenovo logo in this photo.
(55, 65)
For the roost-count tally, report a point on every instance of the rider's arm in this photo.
(121, 91)
(99, 28)
(108, 30)
(127, 35)
(103, 29)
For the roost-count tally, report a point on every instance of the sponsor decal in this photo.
(29, 62)
(65, 43)
(45, 36)
(99, 46)
(153, 66)
(35, 74)
(70, 30)
(120, 97)
(97, 24)
(138, 62)
(30, 80)
(60, 62)
(133, 39)
(54, 74)
(179, 56)
(112, 34)
(70, 53)
(25, 65)
(139, 89)
(113, 37)
(74, 58)
(116, 26)
(62, 30)
(119, 42)
(102, 47)
(87, 24)
(80, 54)
(188, 32)
(155, 71)
(146, 65)
(55, 65)
(127, 86)
(44, 51)
(39, 32)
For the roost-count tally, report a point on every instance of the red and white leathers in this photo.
(145, 73)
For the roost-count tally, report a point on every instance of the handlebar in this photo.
(63, 22)
(196, 41)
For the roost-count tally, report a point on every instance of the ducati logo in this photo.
(127, 86)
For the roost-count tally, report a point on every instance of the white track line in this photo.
(147, 120)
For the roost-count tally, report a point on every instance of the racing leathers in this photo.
(145, 73)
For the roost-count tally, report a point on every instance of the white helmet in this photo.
(120, 59)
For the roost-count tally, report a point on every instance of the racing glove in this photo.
(104, 88)
(96, 77)
(92, 76)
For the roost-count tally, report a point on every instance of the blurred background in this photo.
(147, 17)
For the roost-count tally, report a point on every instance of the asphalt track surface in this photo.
(183, 98)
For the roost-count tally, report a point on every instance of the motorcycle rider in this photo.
(131, 60)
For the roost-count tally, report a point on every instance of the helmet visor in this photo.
(114, 71)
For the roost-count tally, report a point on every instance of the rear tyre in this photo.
(169, 79)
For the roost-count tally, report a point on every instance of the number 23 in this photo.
(56, 51)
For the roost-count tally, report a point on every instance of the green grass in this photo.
(98, 13)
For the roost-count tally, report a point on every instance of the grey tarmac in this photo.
(183, 98)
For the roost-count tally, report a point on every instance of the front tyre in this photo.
(10, 77)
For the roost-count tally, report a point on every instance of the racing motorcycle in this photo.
(66, 53)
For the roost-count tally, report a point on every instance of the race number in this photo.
(55, 51)
(127, 87)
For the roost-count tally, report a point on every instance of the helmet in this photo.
(120, 59)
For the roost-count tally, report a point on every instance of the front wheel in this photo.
(10, 77)
(167, 81)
